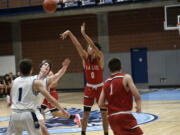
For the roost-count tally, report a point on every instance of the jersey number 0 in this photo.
(92, 75)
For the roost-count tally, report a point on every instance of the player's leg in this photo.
(44, 106)
(31, 124)
(88, 102)
(41, 122)
(124, 124)
(43, 127)
(87, 110)
(113, 122)
(15, 126)
(132, 127)
(103, 112)
(56, 113)
(11, 129)
(104, 120)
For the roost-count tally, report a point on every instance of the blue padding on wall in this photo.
(20, 11)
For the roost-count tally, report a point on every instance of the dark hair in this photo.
(6, 75)
(46, 61)
(114, 65)
(25, 66)
(97, 45)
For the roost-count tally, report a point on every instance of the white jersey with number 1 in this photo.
(24, 106)
(23, 96)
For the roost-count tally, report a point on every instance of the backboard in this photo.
(171, 17)
(178, 19)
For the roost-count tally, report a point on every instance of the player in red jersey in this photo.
(93, 63)
(117, 96)
(54, 111)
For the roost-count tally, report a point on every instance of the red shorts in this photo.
(90, 95)
(54, 94)
(124, 124)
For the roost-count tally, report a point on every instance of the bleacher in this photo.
(18, 7)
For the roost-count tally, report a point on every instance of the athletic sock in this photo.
(83, 132)
(105, 133)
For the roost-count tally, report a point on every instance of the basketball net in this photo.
(178, 26)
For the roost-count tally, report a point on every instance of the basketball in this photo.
(50, 5)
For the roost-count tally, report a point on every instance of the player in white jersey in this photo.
(24, 99)
(45, 68)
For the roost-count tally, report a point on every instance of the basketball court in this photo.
(161, 105)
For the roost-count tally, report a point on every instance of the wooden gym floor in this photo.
(168, 111)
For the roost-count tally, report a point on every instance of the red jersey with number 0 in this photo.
(116, 95)
(93, 71)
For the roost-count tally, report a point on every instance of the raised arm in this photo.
(60, 73)
(54, 83)
(91, 43)
(129, 85)
(81, 51)
(38, 85)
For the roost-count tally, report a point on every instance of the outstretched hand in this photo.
(66, 62)
(83, 28)
(64, 35)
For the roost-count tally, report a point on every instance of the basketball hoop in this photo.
(178, 26)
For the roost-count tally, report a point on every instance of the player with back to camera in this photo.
(45, 68)
(117, 95)
(93, 63)
(24, 99)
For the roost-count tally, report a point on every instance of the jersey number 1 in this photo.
(20, 94)
(111, 89)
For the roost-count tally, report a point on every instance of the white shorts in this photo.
(38, 114)
(21, 121)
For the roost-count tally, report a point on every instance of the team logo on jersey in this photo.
(61, 125)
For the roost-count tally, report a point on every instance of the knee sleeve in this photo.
(87, 109)
(54, 110)
(43, 107)
(103, 109)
